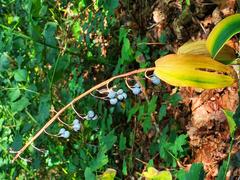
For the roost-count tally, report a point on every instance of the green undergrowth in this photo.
(52, 51)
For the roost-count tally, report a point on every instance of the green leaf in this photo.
(147, 124)
(122, 142)
(222, 32)
(4, 63)
(20, 104)
(107, 141)
(222, 171)
(124, 167)
(231, 123)
(196, 172)
(44, 108)
(20, 75)
(49, 33)
(14, 94)
(126, 52)
(99, 161)
(162, 112)
(174, 99)
(17, 143)
(176, 148)
(181, 174)
(188, 2)
(88, 174)
(132, 112)
(163, 38)
(122, 34)
(152, 104)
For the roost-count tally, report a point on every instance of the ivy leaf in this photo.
(20, 75)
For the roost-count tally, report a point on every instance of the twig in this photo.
(72, 102)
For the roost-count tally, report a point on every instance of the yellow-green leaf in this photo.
(195, 48)
(194, 70)
(109, 174)
(222, 32)
(154, 174)
(226, 55)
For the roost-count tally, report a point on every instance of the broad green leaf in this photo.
(196, 172)
(194, 70)
(109, 174)
(14, 94)
(49, 33)
(20, 75)
(20, 104)
(222, 32)
(226, 55)
(231, 123)
(88, 174)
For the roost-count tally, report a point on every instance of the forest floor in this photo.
(200, 113)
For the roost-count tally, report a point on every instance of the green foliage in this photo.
(231, 122)
(196, 171)
(222, 171)
(52, 51)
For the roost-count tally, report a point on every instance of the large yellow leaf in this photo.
(226, 55)
(194, 70)
(222, 32)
